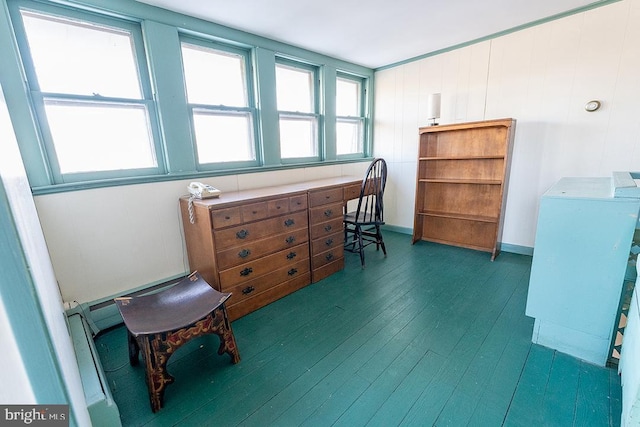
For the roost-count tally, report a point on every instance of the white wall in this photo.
(17, 386)
(108, 241)
(104, 242)
(541, 76)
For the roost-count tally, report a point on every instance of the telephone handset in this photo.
(199, 190)
(203, 191)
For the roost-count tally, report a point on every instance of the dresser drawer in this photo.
(326, 257)
(242, 234)
(325, 213)
(255, 211)
(325, 197)
(327, 242)
(259, 267)
(352, 192)
(324, 229)
(276, 286)
(278, 206)
(298, 202)
(257, 249)
(227, 217)
(252, 287)
(327, 270)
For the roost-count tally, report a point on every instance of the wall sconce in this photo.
(433, 108)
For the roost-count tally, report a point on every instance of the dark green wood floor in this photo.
(430, 335)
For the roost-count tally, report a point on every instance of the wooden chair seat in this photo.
(160, 323)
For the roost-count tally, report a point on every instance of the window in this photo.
(95, 113)
(350, 120)
(105, 103)
(219, 98)
(296, 92)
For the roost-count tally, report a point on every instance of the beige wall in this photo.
(104, 242)
(541, 76)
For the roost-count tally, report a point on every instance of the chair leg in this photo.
(361, 245)
(380, 241)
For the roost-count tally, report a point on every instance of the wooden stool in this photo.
(159, 324)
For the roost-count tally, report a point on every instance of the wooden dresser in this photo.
(265, 243)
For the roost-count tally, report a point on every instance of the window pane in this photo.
(80, 58)
(349, 137)
(100, 137)
(214, 77)
(223, 137)
(298, 137)
(347, 97)
(294, 89)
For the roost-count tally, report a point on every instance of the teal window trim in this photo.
(316, 114)
(250, 109)
(163, 52)
(363, 114)
(38, 97)
(161, 31)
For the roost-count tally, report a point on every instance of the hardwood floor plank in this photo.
(430, 335)
(474, 330)
(558, 407)
(615, 398)
(400, 400)
(591, 408)
(471, 385)
(336, 376)
(367, 404)
(332, 407)
(525, 408)
(337, 353)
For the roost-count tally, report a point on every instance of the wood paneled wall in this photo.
(542, 76)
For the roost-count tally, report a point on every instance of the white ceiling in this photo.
(373, 33)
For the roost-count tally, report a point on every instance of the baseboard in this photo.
(397, 229)
(102, 314)
(504, 247)
(516, 249)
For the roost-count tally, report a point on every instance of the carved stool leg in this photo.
(134, 349)
(157, 349)
(222, 328)
(157, 377)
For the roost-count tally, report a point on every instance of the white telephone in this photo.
(203, 191)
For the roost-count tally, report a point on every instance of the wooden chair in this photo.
(160, 323)
(364, 223)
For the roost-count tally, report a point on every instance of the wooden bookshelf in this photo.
(461, 183)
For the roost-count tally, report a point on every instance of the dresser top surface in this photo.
(229, 197)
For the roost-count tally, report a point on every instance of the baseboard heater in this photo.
(100, 404)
